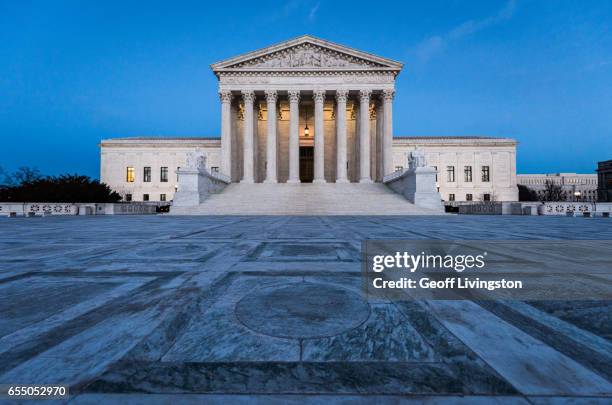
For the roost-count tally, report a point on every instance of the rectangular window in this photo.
(399, 168)
(451, 197)
(145, 197)
(486, 175)
(177, 175)
(436, 169)
(467, 171)
(162, 197)
(468, 197)
(129, 174)
(128, 197)
(450, 174)
(215, 169)
(163, 174)
(486, 197)
(146, 174)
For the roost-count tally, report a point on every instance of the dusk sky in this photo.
(72, 73)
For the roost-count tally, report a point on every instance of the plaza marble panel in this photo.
(130, 306)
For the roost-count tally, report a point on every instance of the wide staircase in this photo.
(305, 199)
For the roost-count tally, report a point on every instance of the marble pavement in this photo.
(268, 309)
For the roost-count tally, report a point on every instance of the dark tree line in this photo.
(28, 185)
(527, 194)
(551, 192)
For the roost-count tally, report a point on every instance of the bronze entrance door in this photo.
(306, 164)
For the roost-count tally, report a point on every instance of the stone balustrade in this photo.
(575, 208)
(553, 208)
(12, 209)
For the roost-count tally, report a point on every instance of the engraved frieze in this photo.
(306, 56)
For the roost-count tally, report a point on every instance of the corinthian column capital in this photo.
(271, 96)
(341, 95)
(294, 96)
(248, 96)
(318, 96)
(388, 94)
(226, 96)
(364, 95)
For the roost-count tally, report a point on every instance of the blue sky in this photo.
(72, 73)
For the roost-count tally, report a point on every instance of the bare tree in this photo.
(68, 188)
(553, 192)
(527, 194)
(4, 177)
(27, 174)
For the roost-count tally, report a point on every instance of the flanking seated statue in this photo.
(195, 160)
(416, 158)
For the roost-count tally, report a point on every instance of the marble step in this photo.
(305, 199)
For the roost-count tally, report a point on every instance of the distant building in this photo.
(604, 174)
(577, 187)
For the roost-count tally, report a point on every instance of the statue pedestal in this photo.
(418, 185)
(195, 185)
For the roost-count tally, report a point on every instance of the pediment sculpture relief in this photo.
(306, 56)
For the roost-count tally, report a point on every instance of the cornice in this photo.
(161, 142)
(216, 142)
(453, 141)
(306, 72)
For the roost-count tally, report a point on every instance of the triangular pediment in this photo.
(306, 53)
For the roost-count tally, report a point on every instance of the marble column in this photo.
(226, 132)
(379, 138)
(388, 131)
(271, 139)
(319, 140)
(341, 149)
(294, 136)
(248, 175)
(364, 136)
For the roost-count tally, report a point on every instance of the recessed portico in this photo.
(334, 99)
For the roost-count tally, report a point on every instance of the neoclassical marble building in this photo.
(576, 187)
(308, 110)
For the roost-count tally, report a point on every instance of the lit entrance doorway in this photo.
(306, 164)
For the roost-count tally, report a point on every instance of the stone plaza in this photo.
(226, 309)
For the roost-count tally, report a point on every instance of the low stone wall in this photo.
(44, 209)
(129, 209)
(498, 208)
(38, 209)
(561, 208)
(484, 208)
(576, 208)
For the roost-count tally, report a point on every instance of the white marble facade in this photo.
(440, 152)
(331, 89)
(119, 155)
(345, 99)
(481, 168)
